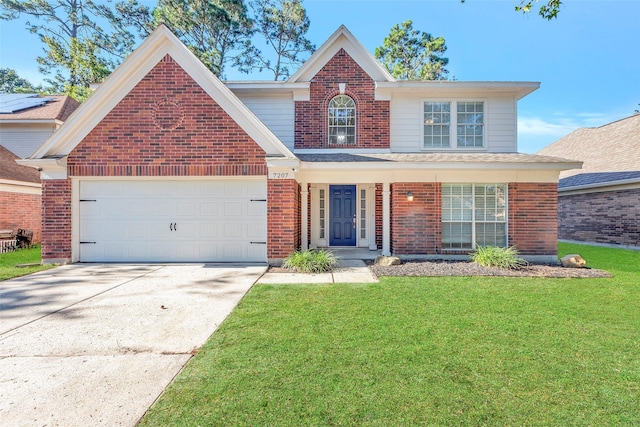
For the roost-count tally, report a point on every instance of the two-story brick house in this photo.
(164, 162)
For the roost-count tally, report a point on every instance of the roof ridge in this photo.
(616, 121)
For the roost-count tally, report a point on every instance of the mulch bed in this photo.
(465, 268)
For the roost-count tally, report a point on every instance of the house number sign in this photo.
(280, 175)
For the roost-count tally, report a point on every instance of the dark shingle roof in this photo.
(591, 179)
(9, 169)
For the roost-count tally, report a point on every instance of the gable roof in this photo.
(137, 65)
(10, 170)
(341, 39)
(614, 147)
(54, 108)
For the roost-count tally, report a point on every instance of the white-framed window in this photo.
(453, 124)
(474, 214)
(437, 122)
(342, 121)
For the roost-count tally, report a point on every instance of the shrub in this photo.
(493, 256)
(311, 261)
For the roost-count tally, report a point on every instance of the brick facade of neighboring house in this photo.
(25, 123)
(601, 202)
(20, 196)
(608, 217)
(184, 167)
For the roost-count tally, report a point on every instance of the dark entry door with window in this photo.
(342, 206)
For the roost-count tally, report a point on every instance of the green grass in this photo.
(423, 351)
(9, 260)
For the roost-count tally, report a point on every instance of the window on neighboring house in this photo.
(465, 127)
(342, 121)
(474, 214)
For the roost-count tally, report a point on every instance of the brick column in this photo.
(283, 219)
(56, 221)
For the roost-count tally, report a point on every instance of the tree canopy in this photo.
(78, 48)
(11, 82)
(283, 24)
(410, 54)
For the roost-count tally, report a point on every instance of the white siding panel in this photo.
(501, 125)
(406, 121)
(276, 112)
(23, 140)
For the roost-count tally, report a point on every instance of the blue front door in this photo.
(342, 206)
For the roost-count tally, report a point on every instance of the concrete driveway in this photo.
(90, 344)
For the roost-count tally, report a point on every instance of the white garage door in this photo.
(173, 221)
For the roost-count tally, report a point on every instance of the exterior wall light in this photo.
(409, 196)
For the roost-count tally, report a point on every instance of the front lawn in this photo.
(423, 351)
(9, 260)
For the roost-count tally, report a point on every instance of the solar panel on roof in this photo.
(14, 102)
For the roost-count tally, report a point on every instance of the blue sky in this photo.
(587, 60)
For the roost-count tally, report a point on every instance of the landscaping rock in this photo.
(386, 261)
(573, 261)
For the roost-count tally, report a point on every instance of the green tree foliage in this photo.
(410, 54)
(283, 24)
(79, 49)
(218, 32)
(11, 82)
(548, 10)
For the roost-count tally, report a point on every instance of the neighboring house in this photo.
(601, 202)
(20, 196)
(27, 120)
(164, 162)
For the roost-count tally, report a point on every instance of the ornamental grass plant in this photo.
(493, 256)
(311, 261)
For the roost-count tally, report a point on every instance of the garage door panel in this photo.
(256, 232)
(134, 221)
(208, 209)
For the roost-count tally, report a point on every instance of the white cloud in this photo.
(560, 125)
(535, 133)
(537, 126)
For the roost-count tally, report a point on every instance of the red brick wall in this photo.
(167, 126)
(56, 224)
(533, 218)
(20, 210)
(372, 117)
(610, 217)
(283, 218)
(415, 226)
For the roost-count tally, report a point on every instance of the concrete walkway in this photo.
(87, 344)
(348, 271)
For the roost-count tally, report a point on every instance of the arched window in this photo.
(342, 121)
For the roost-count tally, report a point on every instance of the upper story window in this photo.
(342, 121)
(465, 127)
